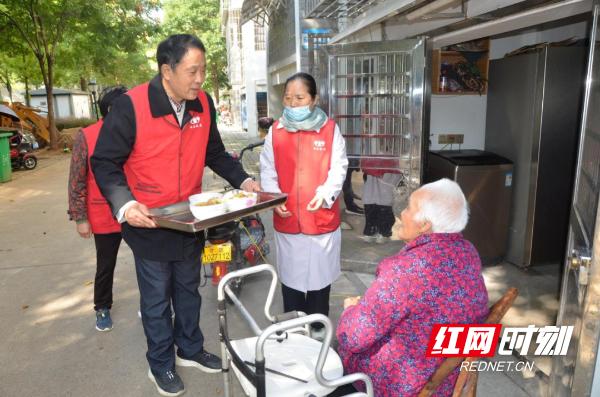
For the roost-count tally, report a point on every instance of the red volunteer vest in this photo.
(302, 161)
(99, 214)
(167, 163)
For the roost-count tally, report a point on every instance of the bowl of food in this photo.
(207, 205)
(236, 200)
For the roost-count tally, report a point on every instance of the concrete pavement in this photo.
(48, 344)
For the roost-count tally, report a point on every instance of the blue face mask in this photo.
(297, 114)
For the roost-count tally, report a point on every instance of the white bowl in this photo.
(239, 203)
(206, 211)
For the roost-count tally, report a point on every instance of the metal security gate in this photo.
(578, 373)
(375, 92)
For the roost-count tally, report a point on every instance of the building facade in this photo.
(246, 60)
(365, 58)
(67, 103)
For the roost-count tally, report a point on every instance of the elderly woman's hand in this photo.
(351, 301)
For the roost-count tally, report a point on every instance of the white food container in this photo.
(207, 211)
(235, 203)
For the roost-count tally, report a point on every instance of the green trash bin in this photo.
(5, 167)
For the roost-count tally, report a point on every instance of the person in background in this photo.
(351, 207)
(378, 198)
(435, 279)
(151, 152)
(91, 213)
(305, 156)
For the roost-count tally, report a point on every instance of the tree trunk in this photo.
(49, 82)
(5, 79)
(9, 88)
(27, 97)
(82, 83)
(215, 82)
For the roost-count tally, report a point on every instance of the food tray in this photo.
(178, 216)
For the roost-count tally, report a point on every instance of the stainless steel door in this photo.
(573, 374)
(375, 92)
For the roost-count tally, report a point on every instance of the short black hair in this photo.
(307, 80)
(173, 48)
(108, 96)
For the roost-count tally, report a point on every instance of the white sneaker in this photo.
(381, 239)
(368, 239)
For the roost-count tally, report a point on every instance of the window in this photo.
(236, 28)
(259, 37)
(261, 104)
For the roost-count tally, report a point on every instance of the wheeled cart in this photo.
(281, 360)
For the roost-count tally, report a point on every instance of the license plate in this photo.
(217, 253)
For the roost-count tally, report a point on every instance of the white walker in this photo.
(281, 360)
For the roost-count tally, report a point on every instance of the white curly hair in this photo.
(444, 205)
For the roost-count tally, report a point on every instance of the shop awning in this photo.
(6, 111)
(336, 8)
(259, 10)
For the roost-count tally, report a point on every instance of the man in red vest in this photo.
(151, 152)
(89, 209)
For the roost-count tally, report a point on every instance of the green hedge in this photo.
(71, 122)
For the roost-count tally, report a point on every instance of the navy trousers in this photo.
(160, 284)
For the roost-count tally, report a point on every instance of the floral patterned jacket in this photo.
(434, 279)
(78, 179)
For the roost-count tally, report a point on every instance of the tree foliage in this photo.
(19, 65)
(114, 45)
(67, 42)
(81, 37)
(201, 18)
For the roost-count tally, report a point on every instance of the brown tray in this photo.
(178, 216)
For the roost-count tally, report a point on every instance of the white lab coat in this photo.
(308, 262)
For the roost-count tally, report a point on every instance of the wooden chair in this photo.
(466, 383)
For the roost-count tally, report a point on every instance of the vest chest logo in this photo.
(319, 145)
(195, 122)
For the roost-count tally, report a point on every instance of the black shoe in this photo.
(167, 383)
(204, 361)
(354, 210)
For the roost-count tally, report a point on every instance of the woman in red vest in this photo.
(305, 156)
(91, 213)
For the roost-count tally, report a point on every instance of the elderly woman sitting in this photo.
(435, 279)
